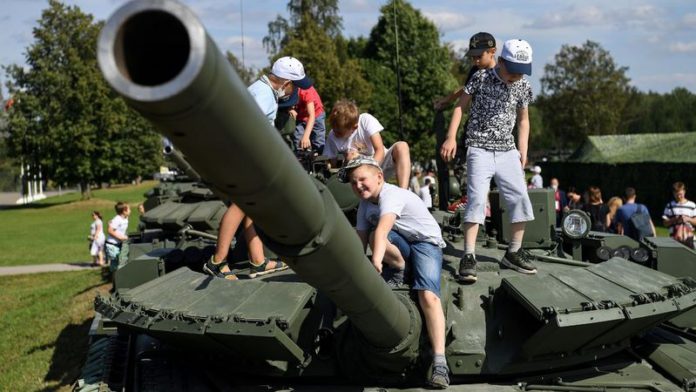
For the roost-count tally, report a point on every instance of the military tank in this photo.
(603, 313)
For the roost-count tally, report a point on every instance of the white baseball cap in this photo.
(517, 54)
(536, 169)
(291, 68)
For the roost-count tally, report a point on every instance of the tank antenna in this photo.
(241, 16)
(398, 73)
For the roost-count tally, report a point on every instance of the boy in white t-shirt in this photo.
(424, 193)
(118, 233)
(354, 134)
(400, 230)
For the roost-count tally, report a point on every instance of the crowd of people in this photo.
(624, 215)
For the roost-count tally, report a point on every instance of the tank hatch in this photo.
(248, 318)
(598, 306)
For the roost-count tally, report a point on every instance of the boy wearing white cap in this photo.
(286, 72)
(501, 97)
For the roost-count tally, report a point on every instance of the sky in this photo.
(656, 40)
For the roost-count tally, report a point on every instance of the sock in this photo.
(439, 359)
(514, 246)
(469, 249)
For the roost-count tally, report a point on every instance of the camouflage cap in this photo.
(344, 173)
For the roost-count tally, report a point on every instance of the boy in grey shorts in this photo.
(501, 97)
(400, 230)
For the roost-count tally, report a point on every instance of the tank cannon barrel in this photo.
(181, 162)
(159, 58)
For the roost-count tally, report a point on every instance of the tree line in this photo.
(68, 122)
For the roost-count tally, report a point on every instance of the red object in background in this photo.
(453, 207)
(9, 103)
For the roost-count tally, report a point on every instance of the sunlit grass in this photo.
(43, 328)
(55, 229)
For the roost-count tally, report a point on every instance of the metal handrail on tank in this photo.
(157, 55)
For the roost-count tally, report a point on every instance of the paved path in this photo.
(10, 198)
(38, 268)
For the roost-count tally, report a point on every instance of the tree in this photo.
(424, 68)
(312, 34)
(333, 78)
(246, 74)
(582, 93)
(322, 13)
(66, 120)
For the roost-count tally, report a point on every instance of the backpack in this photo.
(682, 232)
(640, 221)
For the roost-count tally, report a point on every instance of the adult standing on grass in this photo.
(118, 233)
(97, 238)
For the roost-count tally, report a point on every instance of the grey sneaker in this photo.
(439, 379)
(519, 261)
(467, 268)
(396, 279)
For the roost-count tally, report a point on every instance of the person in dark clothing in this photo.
(596, 209)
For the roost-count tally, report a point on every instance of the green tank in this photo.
(585, 322)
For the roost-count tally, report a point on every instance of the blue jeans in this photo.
(317, 137)
(425, 259)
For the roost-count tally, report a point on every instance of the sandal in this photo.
(262, 269)
(215, 270)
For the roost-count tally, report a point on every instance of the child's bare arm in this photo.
(305, 143)
(441, 103)
(363, 238)
(449, 147)
(378, 145)
(379, 245)
(523, 134)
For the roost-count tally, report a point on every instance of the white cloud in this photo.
(254, 53)
(571, 16)
(449, 21)
(647, 16)
(359, 6)
(689, 21)
(683, 47)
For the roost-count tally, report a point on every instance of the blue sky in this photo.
(655, 39)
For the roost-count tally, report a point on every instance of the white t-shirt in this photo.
(120, 225)
(424, 193)
(687, 208)
(97, 231)
(537, 181)
(359, 140)
(413, 221)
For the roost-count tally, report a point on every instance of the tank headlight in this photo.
(576, 224)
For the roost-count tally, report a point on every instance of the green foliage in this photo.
(66, 120)
(332, 79)
(651, 112)
(425, 69)
(539, 138)
(582, 93)
(248, 75)
(321, 13)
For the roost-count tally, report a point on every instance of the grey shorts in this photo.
(506, 168)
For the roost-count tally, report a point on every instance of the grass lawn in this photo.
(55, 230)
(43, 328)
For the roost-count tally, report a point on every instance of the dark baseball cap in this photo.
(479, 43)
